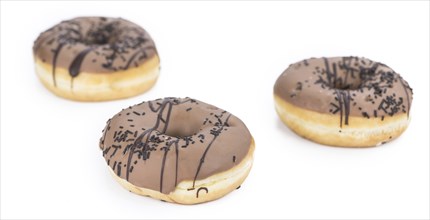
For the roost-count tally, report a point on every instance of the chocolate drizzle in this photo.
(348, 86)
(161, 146)
(115, 44)
(201, 188)
(75, 67)
(343, 98)
(54, 62)
(215, 134)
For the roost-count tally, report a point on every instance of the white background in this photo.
(228, 54)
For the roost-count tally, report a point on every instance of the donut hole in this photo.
(184, 124)
(184, 132)
(97, 39)
(347, 86)
(346, 82)
(354, 78)
(100, 36)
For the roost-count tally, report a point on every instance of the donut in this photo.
(343, 101)
(96, 59)
(178, 150)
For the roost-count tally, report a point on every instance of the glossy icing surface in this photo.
(157, 144)
(345, 86)
(94, 45)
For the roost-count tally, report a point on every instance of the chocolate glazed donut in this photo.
(343, 101)
(96, 58)
(178, 150)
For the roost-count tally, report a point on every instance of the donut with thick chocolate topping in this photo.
(343, 101)
(179, 150)
(96, 59)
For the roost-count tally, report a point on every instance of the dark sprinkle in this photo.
(365, 114)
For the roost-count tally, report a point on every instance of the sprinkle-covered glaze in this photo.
(345, 86)
(158, 144)
(94, 45)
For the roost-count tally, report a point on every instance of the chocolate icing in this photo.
(94, 45)
(346, 86)
(158, 144)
